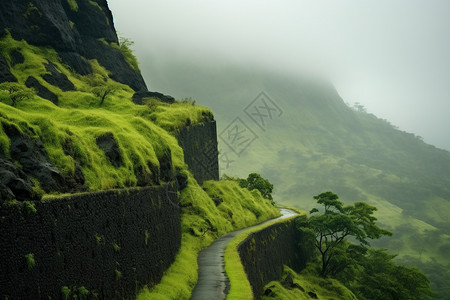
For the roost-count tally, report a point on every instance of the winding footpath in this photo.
(212, 281)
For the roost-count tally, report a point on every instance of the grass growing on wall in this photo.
(202, 223)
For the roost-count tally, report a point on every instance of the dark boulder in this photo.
(41, 90)
(288, 282)
(312, 295)
(217, 200)
(5, 73)
(182, 181)
(138, 96)
(57, 78)
(33, 158)
(14, 183)
(78, 63)
(269, 291)
(166, 166)
(17, 58)
(108, 144)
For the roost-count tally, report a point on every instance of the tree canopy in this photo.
(369, 273)
(255, 181)
(336, 223)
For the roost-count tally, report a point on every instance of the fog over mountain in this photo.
(391, 56)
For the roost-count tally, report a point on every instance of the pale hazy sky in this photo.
(392, 56)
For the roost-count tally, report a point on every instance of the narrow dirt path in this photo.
(212, 281)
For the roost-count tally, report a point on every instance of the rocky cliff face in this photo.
(77, 29)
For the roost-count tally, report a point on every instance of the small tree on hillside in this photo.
(101, 87)
(255, 181)
(17, 92)
(330, 229)
(103, 91)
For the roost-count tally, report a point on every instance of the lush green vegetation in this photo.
(319, 143)
(81, 117)
(255, 181)
(369, 273)
(330, 230)
(324, 288)
(202, 223)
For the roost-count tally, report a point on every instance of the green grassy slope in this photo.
(322, 288)
(319, 144)
(142, 132)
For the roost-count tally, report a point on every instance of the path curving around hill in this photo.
(212, 281)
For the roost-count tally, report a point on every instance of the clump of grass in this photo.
(176, 116)
(116, 247)
(65, 291)
(73, 4)
(146, 237)
(29, 207)
(98, 238)
(118, 274)
(31, 262)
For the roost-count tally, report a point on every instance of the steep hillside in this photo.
(307, 140)
(78, 30)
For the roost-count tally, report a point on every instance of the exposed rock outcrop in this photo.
(108, 144)
(14, 183)
(41, 90)
(78, 31)
(5, 73)
(32, 156)
(57, 78)
(139, 96)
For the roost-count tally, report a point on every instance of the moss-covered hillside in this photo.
(114, 144)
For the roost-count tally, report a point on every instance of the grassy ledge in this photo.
(323, 288)
(239, 285)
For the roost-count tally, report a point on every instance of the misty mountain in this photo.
(299, 133)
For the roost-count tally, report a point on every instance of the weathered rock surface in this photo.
(16, 58)
(5, 73)
(57, 78)
(14, 183)
(74, 33)
(108, 144)
(140, 95)
(32, 156)
(41, 90)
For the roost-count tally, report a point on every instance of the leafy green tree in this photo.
(255, 181)
(17, 92)
(330, 229)
(379, 277)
